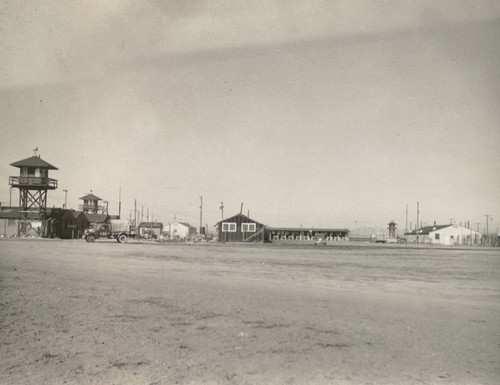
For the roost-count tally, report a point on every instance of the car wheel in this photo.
(90, 238)
(122, 238)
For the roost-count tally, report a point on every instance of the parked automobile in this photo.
(320, 239)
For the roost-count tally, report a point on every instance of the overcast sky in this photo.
(313, 113)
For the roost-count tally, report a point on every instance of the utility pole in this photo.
(222, 219)
(4, 224)
(65, 198)
(120, 203)
(201, 214)
(487, 216)
(406, 228)
(135, 212)
(418, 213)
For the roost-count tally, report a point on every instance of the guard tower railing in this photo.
(33, 181)
(90, 207)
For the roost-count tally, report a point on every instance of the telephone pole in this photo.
(406, 228)
(201, 215)
(65, 198)
(120, 203)
(135, 212)
(222, 219)
(418, 213)
(488, 216)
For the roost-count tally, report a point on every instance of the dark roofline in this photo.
(91, 197)
(239, 215)
(307, 229)
(151, 224)
(185, 224)
(427, 229)
(34, 161)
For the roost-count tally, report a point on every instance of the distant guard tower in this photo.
(392, 230)
(33, 183)
(91, 205)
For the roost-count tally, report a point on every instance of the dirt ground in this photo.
(109, 313)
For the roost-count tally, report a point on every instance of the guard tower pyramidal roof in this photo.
(91, 197)
(34, 161)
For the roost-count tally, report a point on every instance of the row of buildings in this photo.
(32, 217)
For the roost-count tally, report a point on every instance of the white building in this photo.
(445, 235)
(179, 230)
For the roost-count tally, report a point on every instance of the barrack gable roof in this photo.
(242, 217)
(427, 229)
(78, 214)
(91, 197)
(152, 225)
(309, 229)
(186, 225)
(34, 161)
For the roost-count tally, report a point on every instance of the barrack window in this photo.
(228, 227)
(248, 227)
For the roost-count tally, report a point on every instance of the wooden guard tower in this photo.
(33, 183)
(392, 229)
(91, 205)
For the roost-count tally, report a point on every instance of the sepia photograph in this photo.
(250, 193)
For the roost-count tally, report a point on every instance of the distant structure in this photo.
(150, 230)
(444, 235)
(91, 205)
(179, 231)
(33, 183)
(96, 213)
(392, 229)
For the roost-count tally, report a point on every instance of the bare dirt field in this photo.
(109, 313)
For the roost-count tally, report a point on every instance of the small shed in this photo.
(179, 231)
(149, 229)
